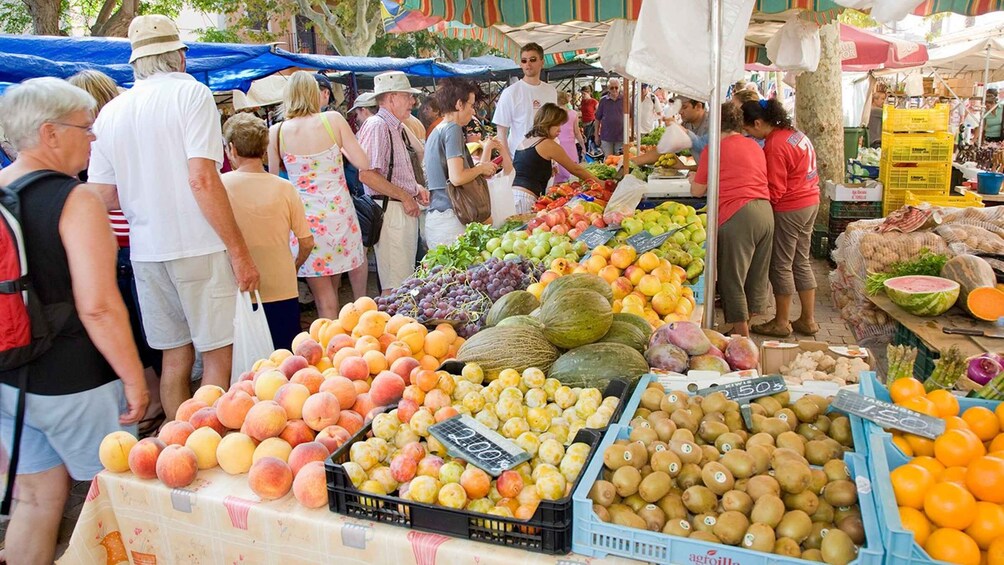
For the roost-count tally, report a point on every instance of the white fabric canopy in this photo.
(968, 59)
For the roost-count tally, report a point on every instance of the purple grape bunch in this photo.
(444, 294)
(498, 277)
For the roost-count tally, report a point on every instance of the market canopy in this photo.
(968, 59)
(221, 66)
(860, 50)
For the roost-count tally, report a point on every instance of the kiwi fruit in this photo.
(761, 457)
(759, 537)
(760, 438)
(672, 506)
(793, 477)
(673, 401)
(787, 547)
(824, 512)
(770, 404)
(687, 451)
(715, 402)
(601, 512)
(806, 501)
(655, 447)
(774, 426)
(841, 493)
(651, 398)
(787, 416)
(823, 423)
(782, 456)
(705, 536)
(784, 397)
(667, 462)
(853, 527)
(689, 476)
(789, 440)
(626, 480)
(717, 477)
(680, 528)
(645, 435)
(838, 548)
(682, 434)
(839, 513)
(761, 485)
(819, 451)
(729, 441)
(806, 409)
(716, 417)
(695, 410)
(795, 524)
(836, 470)
(639, 455)
(655, 486)
(818, 480)
(809, 431)
(664, 428)
(815, 539)
(840, 430)
(603, 493)
(737, 501)
(623, 516)
(709, 453)
(616, 456)
(822, 402)
(740, 463)
(731, 527)
(757, 410)
(705, 522)
(699, 499)
(769, 509)
(710, 430)
(635, 502)
(813, 555)
(653, 516)
(684, 419)
(734, 420)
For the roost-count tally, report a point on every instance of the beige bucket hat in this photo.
(393, 81)
(153, 35)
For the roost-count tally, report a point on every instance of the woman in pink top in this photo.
(568, 136)
(794, 194)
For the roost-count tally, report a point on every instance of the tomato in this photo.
(610, 184)
(575, 185)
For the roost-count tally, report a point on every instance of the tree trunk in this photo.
(355, 42)
(44, 16)
(115, 24)
(819, 111)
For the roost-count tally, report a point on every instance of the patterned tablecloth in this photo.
(218, 520)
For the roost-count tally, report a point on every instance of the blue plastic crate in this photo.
(593, 537)
(698, 288)
(900, 549)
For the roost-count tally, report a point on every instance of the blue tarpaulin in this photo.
(221, 66)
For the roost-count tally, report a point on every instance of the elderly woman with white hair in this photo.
(90, 381)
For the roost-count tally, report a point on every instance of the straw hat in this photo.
(393, 81)
(153, 35)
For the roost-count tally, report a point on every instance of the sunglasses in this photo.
(530, 60)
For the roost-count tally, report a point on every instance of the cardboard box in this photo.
(774, 354)
(854, 192)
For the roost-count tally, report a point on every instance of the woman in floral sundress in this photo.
(309, 144)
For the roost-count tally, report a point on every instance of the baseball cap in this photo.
(153, 34)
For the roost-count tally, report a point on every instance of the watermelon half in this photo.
(922, 295)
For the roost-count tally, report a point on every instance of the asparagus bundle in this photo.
(901, 359)
(947, 371)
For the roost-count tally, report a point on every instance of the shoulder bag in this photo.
(472, 202)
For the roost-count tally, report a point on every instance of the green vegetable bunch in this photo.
(461, 254)
(927, 263)
(653, 137)
(601, 171)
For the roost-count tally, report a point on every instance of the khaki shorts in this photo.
(398, 245)
(189, 300)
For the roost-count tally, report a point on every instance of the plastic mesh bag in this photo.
(964, 238)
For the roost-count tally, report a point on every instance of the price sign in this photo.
(644, 241)
(889, 415)
(594, 236)
(468, 439)
(749, 389)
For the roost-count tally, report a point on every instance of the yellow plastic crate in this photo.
(966, 200)
(927, 176)
(918, 147)
(896, 199)
(915, 120)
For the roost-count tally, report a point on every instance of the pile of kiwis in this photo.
(691, 469)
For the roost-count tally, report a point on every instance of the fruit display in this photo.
(541, 245)
(684, 247)
(602, 171)
(979, 295)
(922, 295)
(690, 469)
(653, 137)
(591, 192)
(461, 254)
(811, 366)
(681, 346)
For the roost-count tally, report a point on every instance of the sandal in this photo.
(770, 329)
(805, 329)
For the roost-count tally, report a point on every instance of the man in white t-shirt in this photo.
(649, 110)
(157, 157)
(518, 103)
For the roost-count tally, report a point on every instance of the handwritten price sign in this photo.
(468, 439)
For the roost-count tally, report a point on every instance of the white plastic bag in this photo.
(674, 139)
(629, 192)
(252, 339)
(884, 11)
(503, 204)
(616, 47)
(795, 47)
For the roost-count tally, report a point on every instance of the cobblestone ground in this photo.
(832, 330)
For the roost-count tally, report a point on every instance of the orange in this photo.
(903, 445)
(902, 389)
(985, 479)
(953, 546)
(910, 483)
(999, 412)
(956, 423)
(915, 521)
(958, 448)
(920, 404)
(929, 463)
(953, 475)
(949, 505)
(988, 525)
(995, 555)
(920, 445)
(945, 401)
(997, 444)
(983, 422)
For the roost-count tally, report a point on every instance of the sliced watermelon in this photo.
(922, 295)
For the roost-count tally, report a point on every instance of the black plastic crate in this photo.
(924, 365)
(856, 210)
(820, 247)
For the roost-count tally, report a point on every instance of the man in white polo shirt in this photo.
(157, 157)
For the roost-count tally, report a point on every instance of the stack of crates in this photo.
(916, 154)
(843, 213)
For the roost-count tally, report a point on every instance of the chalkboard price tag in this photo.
(594, 236)
(470, 440)
(749, 389)
(644, 241)
(889, 415)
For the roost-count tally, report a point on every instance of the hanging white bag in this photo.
(674, 138)
(796, 46)
(252, 338)
(503, 203)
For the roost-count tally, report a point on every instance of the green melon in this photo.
(575, 317)
(971, 272)
(922, 295)
(516, 303)
(523, 321)
(595, 364)
(624, 332)
(515, 347)
(578, 280)
(636, 321)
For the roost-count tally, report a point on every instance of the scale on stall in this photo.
(667, 183)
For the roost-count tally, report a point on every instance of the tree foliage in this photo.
(427, 44)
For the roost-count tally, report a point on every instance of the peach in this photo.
(397, 350)
(406, 408)
(297, 432)
(437, 343)
(309, 350)
(208, 394)
(292, 364)
(351, 421)
(270, 478)
(425, 379)
(332, 329)
(114, 451)
(143, 457)
(429, 466)
(310, 486)
(436, 399)
(234, 453)
(337, 343)
(262, 364)
(306, 453)
(364, 405)
(321, 410)
(342, 388)
(267, 383)
(387, 388)
(376, 361)
(291, 397)
(414, 340)
(429, 362)
(413, 393)
(247, 375)
(361, 386)
(414, 450)
(204, 442)
(385, 341)
(348, 316)
(396, 322)
(308, 377)
(333, 437)
(403, 468)
(316, 327)
(476, 483)
(300, 338)
(367, 343)
(278, 356)
(175, 432)
(207, 418)
(354, 368)
(366, 304)
(264, 420)
(272, 447)
(323, 365)
(177, 466)
(233, 406)
(343, 354)
(445, 413)
(247, 387)
(187, 408)
(509, 484)
(371, 323)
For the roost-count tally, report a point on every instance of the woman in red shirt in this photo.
(745, 222)
(793, 182)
